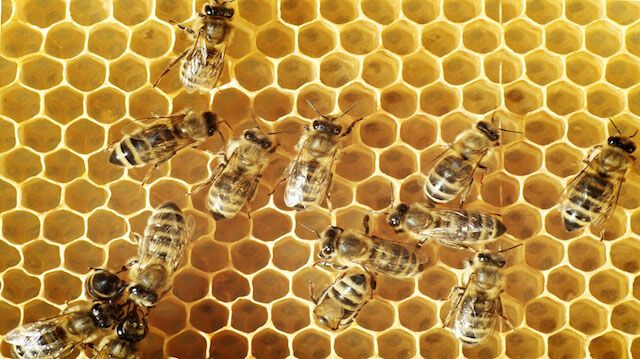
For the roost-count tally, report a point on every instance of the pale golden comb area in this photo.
(74, 73)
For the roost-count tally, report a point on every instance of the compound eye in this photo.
(611, 141)
(249, 135)
(336, 130)
(393, 221)
(208, 10)
(483, 257)
(266, 144)
(317, 125)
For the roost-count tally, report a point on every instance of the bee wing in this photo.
(610, 203)
(31, 337)
(448, 233)
(203, 67)
(564, 196)
(150, 251)
(389, 249)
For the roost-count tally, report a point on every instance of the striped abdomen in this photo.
(585, 201)
(139, 148)
(394, 260)
(447, 179)
(228, 194)
(351, 290)
(468, 227)
(201, 72)
(476, 318)
(307, 185)
(166, 228)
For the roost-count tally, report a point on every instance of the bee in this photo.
(592, 195)
(453, 172)
(104, 285)
(339, 304)
(160, 250)
(308, 177)
(476, 307)
(204, 61)
(58, 336)
(452, 228)
(236, 179)
(130, 330)
(340, 249)
(159, 142)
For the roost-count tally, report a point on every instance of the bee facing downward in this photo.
(203, 63)
(129, 331)
(592, 196)
(308, 176)
(159, 142)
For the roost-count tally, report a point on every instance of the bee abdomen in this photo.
(585, 201)
(444, 182)
(129, 153)
(350, 291)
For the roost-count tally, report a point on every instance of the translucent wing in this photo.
(571, 193)
(450, 233)
(164, 241)
(610, 202)
(203, 67)
(308, 173)
(390, 249)
(44, 338)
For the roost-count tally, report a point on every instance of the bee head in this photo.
(104, 285)
(218, 11)
(494, 259)
(488, 130)
(210, 122)
(622, 143)
(327, 127)
(103, 315)
(133, 328)
(257, 137)
(141, 295)
(396, 216)
(328, 242)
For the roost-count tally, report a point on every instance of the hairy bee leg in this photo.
(171, 65)
(501, 314)
(365, 223)
(350, 128)
(183, 28)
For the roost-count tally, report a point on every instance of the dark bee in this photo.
(129, 331)
(104, 285)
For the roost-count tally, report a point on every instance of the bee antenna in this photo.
(348, 110)
(315, 109)
(510, 248)
(615, 126)
(283, 131)
(312, 230)
(255, 119)
(634, 134)
(510, 131)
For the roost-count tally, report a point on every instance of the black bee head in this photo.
(258, 138)
(141, 295)
(395, 218)
(328, 242)
(494, 259)
(133, 328)
(211, 122)
(104, 285)
(488, 130)
(327, 127)
(218, 11)
(622, 143)
(103, 315)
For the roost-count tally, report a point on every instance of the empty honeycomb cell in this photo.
(229, 285)
(43, 13)
(565, 283)
(563, 37)
(190, 285)
(543, 11)
(19, 103)
(290, 254)
(382, 11)
(258, 12)
(544, 315)
(451, 257)
(232, 230)
(393, 288)
(269, 285)
(152, 345)
(322, 97)
(439, 99)
(100, 170)
(586, 254)
(20, 164)
(82, 255)
(354, 343)
(523, 284)
(38, 309)
(290, 315)
(338, 69)
(294, 72)
(563, 160)
(585, 131)
(542, 191)
(228, 344)
(436, 282)
(20, 226)
(361, 98)
(63, 226)
(438, 343)
(453, 125)
(398, 162)
(633, 97)
(168, 308)
(417, 314)
(254, 72)
(187, 344)
(196, 102)
(163, 191)
(379, 70)
(40, 195)
(542, 67)
(316, 39)
(440, 38)
(275, 40)
(499, 189)
(491, 348)
(127, 197)
(146, 101)
(481, 36)
(563, 98)
(608, 286)
(376, 315)
(300, 281)
(128, 73)
(190, 165)
(208, 315)
(481, 97)
(604, 101)
(18, 39)
(41, 72)
(8, 69)
(19, 286)
(623, 12)
(461, 11)
(10, 315)
(131, 12)
(420, 69)
(583, 68)
(269, 224)
(311, 344)
(63, 166)
(460, 67)
(543, 252)
(40, 134)
(8, 196)
(84, 136)
(625, 254)
(61, 287)
(396, 343)
(524, 343)
(418, 131)
(359, 37)
(88, 12)
(64, 41)
(629, 195)
(338, 11)
(400, 38)
(298, 12)
(106, 105)
(502, 67)
(9, 256)
(622, 71)
(565, 344)
(542, 128)
(86, 73)
(177, 11)
(269, 344)
(522, 36)
(40, 256)
(522, 98)
(583, 12)
(522, 221)
(420, 12)
(108, 41)
(608, 345)
(602, 38)
(63, 104)
(614, 228)
(120, 251)
(151, 39)
(625, 317)
(374, 193)
(374, 131)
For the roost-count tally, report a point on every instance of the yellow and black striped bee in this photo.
(236, 179)
(157, 143)
(160, 250)
(452, 175)
(452, 228)
(129, 331)
(339, 304)
(340, 249)
(204, 61)
(308, 176)
(59, 336)
(592, 196)
(476, 307)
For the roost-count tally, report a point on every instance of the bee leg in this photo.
(280, 180)
(171, 65)
(365, 223)
(311, 292)
(457, 293)
(501, 314)
(183, 28)
(328, 194)
(350, 128)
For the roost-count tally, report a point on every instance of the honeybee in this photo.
(592, 195)
(58, 336)
(157, 143)
(476, 307)
(339, 304)
(236, 179)
(340, 249)
(130, 330)
(452, 228)
(160, 250)
(104, 285)
(308, 176)
(204, 61)
(452, 174)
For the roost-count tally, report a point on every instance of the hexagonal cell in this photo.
(543, 67)
(374, 131)
(585, 131)
(565, 344)
(247, 316)
(586, 254)
(379, 70)
(11, 315)
(20, 226)
(316, 39)
(41, 72)
(311, 344)
(563, 160)
(268, 225)
(563, 37)
(187, 344)
(269, 344)
(542, 191)
(374, 193)
(376, 315)
(608, 286)
(64, 41)
(84, 136)
(190, 285)
(63, 166)
(481, 36)
(19, 103)
(19, 286)
(481, 97)
(108, 41)
(84, 12)
(38, 309)
(436, 282)
(399, 101)
(543, 11)
(43, 13)
(9, 70)
(440, 38)
(398, 162)
(563, 98)
(545, 315)
(603, 39)
(604, 101)
(269, 285)
(40, 195)
(623, 12)
(233, 229)
(522, 221)
(542, 128)
(63, 104)
(420, 69)
(417, 314)
(543, 253)
(396, 343)
(126, 197)
(439, 99)
(360, 38)
(61, 287)
(583, 12)
(19, 39)
(8, 196)
(120, 251)
(40, 134)
(625, 254)
(361, 98)
(254, 72)
(106, 105)
(522, 36)
(355, 164)
(460, 67)
(338, 11)
(297, 12)
(62, 226)
(300, 282)
(128, 73)
(290, 315)
(7, 136)
(583, 68)
(393, 288)
(502, 67)
(381, 11)
(438, 343)
(523, 284)
(39, 257)
(290, 254)
(400, 38)
(147, 101)
(258, 12)
(524, 344)
(229, 344)
(565, 283)
(622, 71)
(625, 317)
(419, 132)
(275, 40)
(522, 98)
(500, 190)
(338, 69)
(168, 308)
(354, 343)
(9, 256)
(420, 12)
(131, 12)
(229, 285)
(294, 72)
(208, 316)
(86, 73)
(608, 345)
(82, 255)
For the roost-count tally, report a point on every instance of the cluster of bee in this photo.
(116, 318)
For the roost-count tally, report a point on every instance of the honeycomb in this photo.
(74, 73)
